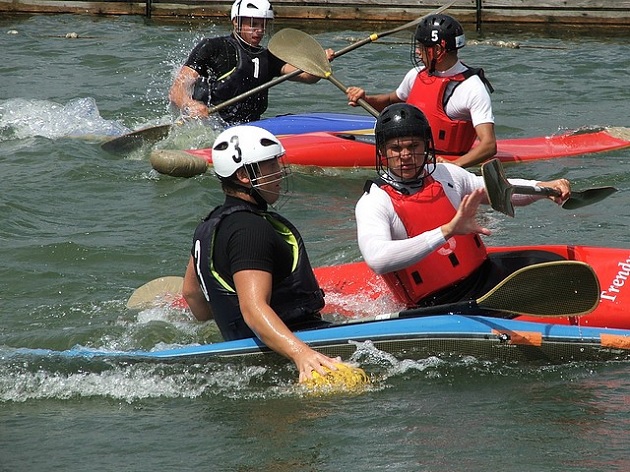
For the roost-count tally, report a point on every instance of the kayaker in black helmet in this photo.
(417, 223)
(454, 97)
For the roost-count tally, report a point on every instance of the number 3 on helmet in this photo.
(243, 145)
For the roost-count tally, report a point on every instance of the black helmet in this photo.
(402, 120)
(441, 29)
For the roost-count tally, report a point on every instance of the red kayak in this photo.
(354, 149)
(354, 290)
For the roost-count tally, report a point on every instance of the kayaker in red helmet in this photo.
(454, 97)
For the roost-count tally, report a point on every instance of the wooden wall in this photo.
(591, 13)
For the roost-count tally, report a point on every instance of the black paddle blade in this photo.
(498, 189)
(559, 288)
(587, 197)
(130, 142)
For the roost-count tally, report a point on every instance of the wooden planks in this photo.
(592, 13)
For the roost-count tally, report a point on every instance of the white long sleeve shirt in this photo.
(383, 240)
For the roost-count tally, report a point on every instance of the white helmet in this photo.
(241, 145)
(251, 9)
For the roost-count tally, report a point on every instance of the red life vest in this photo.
(451, 137)
(451, 263)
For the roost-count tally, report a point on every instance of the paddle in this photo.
(161, 290)
(132, 141)
(500, 191)
(304, 52)
(558, 288)
(129, 142)
(548, 289)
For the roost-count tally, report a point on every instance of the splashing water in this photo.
(24, 118)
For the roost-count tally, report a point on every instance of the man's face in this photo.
(268, 179)
(252, 30)
(405, 156)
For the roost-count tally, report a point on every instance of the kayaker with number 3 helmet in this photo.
(455, 98)
(249, 270)
(224, 67)
(417, 222)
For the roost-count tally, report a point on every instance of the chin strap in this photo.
(251, 191)
(434, 58)
(253, 49)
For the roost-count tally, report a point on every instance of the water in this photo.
(81, 229)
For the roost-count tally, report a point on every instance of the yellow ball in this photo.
(346, 377)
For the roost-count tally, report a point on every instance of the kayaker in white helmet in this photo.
(249, 270)
(224, 67)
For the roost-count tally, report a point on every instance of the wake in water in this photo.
(80, 118)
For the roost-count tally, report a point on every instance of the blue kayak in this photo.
(479, 336)
(316, 122)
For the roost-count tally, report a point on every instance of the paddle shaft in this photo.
(374, 36)
(535, 190)
(369, 108)
(460, 308)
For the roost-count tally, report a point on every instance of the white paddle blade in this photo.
(156, 293)
(301, 51)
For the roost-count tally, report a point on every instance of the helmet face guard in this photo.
(254, 14)
(259, 153)
(402, 132)
(262, 179)
(245, 22)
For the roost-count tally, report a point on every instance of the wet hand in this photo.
(195, 109)
(561, 185)
(311, 360)
(465, 220)
(354, 94)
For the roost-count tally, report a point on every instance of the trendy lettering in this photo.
(618, 282)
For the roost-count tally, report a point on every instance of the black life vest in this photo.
(297, 299)
(251, 70)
